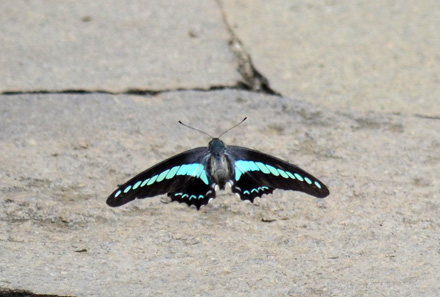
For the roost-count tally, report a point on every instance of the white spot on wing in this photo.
(230, 184)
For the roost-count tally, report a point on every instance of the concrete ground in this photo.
(91, 93)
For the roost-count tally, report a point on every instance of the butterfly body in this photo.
(192, 177)
(220, 166)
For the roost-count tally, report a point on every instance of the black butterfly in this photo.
(192, 177)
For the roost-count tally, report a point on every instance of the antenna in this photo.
(232, 127)
(180, 122)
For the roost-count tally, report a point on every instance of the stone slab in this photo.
(113, 46)
(362, 55)
(62, 155)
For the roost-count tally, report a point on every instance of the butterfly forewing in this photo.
(182, 176)
(257, 173)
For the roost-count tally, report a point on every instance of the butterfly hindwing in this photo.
(184, 173)
(193, 192)
(248, 188)
(257, 173)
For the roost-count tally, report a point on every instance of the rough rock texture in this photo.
(377, 233)
(370, 131)
(113, 46)
(359, 55)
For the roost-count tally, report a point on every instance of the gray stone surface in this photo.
(377, 233)
(61, 155)
(113, 46)
(360, 55)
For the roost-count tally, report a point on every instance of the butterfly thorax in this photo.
(219, 167)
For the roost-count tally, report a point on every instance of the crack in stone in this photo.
(427, 117)
(252, 78)
(142, 92)
(24, 293)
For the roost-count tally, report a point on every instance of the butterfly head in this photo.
(216, 147)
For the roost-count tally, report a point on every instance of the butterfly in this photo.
(194, 176)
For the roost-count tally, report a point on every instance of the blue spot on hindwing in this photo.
(255, 190)
(204, 178)
(198, 170)
(240, 168)
(189, 196)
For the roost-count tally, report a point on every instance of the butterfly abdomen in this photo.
(219, 167)
(220, 170)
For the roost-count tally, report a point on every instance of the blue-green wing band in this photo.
(187, 168)
(257, 173)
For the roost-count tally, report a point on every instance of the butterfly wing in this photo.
(257, 173)
(183, 177)
(194, 192)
